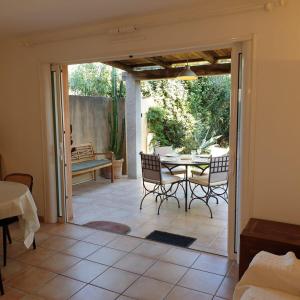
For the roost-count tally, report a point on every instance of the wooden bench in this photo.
(85, 160)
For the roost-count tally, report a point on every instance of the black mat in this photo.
(170, 238)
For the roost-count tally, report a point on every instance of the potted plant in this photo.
(117, 131)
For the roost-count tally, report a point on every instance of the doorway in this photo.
(233, 150)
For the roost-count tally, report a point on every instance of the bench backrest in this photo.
(82, 153)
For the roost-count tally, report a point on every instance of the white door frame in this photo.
(248, 46)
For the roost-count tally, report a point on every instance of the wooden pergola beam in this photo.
(119, 65)
(159, 62)
(204, 70)
(207, 56)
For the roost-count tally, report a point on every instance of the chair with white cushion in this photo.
(212, 185)
(169, 168)
(162, 184)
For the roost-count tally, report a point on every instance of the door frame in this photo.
(248, 43)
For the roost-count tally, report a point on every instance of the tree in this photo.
(92, 79)
(169, 121)
(209, 102)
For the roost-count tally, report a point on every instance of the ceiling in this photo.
(19, 17)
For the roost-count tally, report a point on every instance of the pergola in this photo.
(202, 63)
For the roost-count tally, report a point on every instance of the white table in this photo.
(16, 200)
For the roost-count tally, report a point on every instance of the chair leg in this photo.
(1, 285)
(8, 235)
(4, 238)
(34, 244)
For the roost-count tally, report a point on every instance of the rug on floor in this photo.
(170, 238)
(109, 226)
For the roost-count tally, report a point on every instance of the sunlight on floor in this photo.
(119, 202)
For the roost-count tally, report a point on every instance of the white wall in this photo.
(276, 126)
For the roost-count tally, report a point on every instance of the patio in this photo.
(119, 202)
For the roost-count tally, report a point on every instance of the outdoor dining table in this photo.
(16, 200)
(186, 161)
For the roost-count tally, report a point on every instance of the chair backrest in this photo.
(218, 169)
(163, 150)
(151, 167)
(26, 179)
(82, 152)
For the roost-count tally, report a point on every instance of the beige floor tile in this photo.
(219, 243)
(212, 263)
(226, 289)
(12, 294)
(125, 243)
(59, 262)
(60, 288)
(90, 292)
(15, 249)
(166, 272)
(106, 256)
(71, 231)
(58, 243)
(81, 249)
(31, 280)
(122, 297)
(201, 281)
(100, 238)
(115, 280)
(234, 271)
(181, 293)
(148, 289)
(134, 263)
(13, 268)
(180, 257)
(85, 271)
(40, 237)
(35, 257)
(32, 297)
(152, 250)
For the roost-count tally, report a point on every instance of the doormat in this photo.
(170, 238)
(109, 226)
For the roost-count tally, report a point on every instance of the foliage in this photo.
(209, 102)
(169, 121)
(93, 79)
(189, 114)
(117, 133)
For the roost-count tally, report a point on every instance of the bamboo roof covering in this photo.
(203, 63)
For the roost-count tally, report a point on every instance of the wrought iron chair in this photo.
(169, 168)
(25, 179)
(214, 184)
(152, 173)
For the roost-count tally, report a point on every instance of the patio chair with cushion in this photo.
(162, 183)
(169, 168)
(214, 184)
(25, 179)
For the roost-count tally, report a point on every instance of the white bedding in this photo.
(269, 273)
(258, 293)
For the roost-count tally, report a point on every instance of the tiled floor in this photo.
(73, 262)
(119, 202)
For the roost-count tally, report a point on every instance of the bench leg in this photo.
(112, 173)
(95, 175)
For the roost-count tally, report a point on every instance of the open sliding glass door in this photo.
(240, 136)
(237, 65)
(62, 139)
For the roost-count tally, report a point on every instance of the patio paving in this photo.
(119, 202)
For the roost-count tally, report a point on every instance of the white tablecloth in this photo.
(16, 200)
